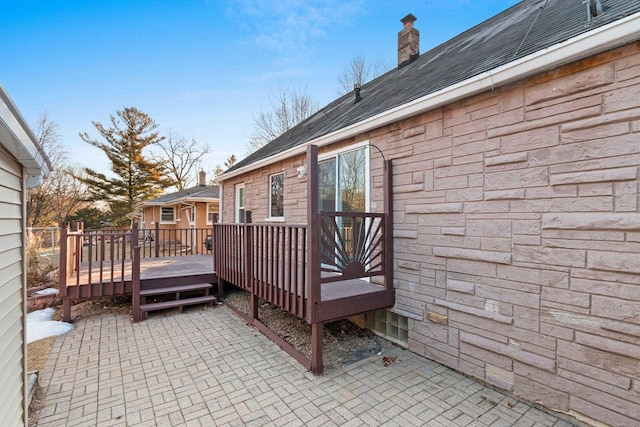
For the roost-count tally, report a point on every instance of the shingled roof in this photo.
(529, 27)
(196, 193)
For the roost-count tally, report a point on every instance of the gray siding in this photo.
(11, 292)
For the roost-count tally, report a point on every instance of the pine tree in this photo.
(136, 177)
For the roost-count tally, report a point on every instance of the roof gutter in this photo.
(601, 39)
(20, 141)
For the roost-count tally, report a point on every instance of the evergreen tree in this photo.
(136, 177)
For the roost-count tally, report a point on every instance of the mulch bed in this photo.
(343, 341)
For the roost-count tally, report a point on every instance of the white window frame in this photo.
(210, 214)
(367, 171)
(367, 166)
(162, 220)
(272, 217)
(238, 217)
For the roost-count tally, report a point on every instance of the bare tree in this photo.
(180, 157)
(359, 71)
(68, 195)
(288, 108)
(60, 194)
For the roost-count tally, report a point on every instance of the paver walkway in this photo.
(208, 368)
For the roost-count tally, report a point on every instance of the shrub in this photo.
(38, 267)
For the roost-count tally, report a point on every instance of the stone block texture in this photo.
(517, 233)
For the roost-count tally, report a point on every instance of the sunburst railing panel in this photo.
(352, 245)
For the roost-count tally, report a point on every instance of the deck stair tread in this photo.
(173, 289)
(177, 303)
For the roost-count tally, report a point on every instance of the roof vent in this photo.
(408, 41)
(356, 91)
(594, 8)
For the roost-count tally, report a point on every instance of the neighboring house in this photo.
(192, 208)
(515, 149)
(23, 165)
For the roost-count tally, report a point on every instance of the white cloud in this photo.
(286, 25)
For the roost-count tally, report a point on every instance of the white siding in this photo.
(11, 292)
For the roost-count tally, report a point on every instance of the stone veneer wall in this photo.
(517, 234)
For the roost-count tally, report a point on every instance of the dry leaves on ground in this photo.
(343, 341)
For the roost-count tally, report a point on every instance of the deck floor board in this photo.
(150, 269)
(348, 288)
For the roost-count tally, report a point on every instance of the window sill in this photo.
(274, 219)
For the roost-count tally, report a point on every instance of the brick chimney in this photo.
(408, 41)
(202, 178)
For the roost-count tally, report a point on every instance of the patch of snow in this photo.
(47, 291)
(40, 325)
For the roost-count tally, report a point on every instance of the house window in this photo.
(343, 186)
(276, 195)
(167, 215)
(343, 181)
(212, 213)
(390, 325)
(240, 203)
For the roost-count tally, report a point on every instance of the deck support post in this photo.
(316, 348)
(216, 249)
(247, 257)
(388, 225)
(64, 265)
(66, 310)
(135, 283)
(220, 288)
(314, 293)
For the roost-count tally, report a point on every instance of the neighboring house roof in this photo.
(530, 37)
(19, 140)
(199, 193)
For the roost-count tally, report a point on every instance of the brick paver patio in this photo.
(208, 368)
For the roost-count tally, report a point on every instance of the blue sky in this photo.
(201, 68)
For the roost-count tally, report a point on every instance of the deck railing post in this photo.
(388, 225)
(314, 295)
(134, 236)
(64, 264)
(248, 264)
(135, 283)
(218, 252)
(156, 240)
(313, 239)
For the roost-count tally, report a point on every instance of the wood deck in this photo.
(154, 273)
(320, 271)
(350, 297)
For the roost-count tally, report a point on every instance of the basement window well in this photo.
(389, 325)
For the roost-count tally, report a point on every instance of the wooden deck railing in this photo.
(158, 242)
(270, 260)
(267, 260)
(106, 257)
(227, 258)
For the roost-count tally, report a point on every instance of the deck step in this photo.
(177, 303)
(174, 289)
